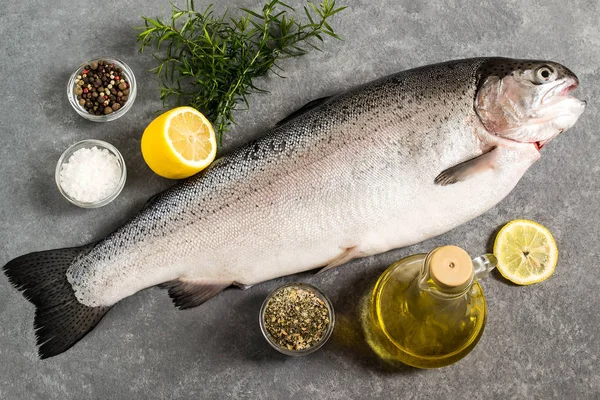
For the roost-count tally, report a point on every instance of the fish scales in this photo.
(396, 113)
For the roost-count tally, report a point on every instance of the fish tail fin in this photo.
(60, 320)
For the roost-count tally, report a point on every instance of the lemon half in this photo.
(179, 143)
(526, 252)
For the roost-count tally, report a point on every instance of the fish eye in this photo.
(545, 74)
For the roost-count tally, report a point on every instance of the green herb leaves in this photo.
(209, 63)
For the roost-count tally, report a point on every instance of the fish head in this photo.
(527, 101)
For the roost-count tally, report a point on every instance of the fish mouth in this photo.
(559, 93)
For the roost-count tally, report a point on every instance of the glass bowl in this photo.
(88, 144)
(326, 335)
(126, 71)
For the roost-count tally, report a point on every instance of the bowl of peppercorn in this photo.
(102, 89)
(297, 319)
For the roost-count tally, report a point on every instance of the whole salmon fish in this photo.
(385, 165)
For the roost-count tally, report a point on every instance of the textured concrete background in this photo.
(540, 342)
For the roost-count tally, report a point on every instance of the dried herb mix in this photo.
(296, 318)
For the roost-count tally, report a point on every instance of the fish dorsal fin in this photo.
(188, 294)
(469, 168)
(305, 108)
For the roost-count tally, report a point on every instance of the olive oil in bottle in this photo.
(428, 310)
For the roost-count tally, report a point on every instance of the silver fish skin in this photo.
(382, 166)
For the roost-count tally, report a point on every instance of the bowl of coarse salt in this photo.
(91, 173)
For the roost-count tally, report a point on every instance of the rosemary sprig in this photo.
(210, 62)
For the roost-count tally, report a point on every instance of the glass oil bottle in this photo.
(427, 310)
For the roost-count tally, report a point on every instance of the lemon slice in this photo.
(526, 252)
(179, 143)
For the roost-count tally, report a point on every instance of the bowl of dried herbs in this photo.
(297, 319)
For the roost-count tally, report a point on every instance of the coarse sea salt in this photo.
(90, 175)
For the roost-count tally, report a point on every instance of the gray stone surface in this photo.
(540, 341)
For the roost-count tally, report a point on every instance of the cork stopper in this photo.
(450, 266)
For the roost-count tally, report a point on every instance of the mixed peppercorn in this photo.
(101, 88)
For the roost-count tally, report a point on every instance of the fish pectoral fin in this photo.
(349, 254)
(188, 294)
(467, 169)
(305, 108)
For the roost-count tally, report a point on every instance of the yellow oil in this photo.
(419, 328)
